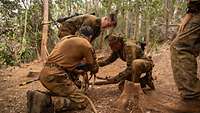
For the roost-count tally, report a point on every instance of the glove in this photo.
(94, 69)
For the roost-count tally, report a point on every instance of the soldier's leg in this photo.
(184, 64)
(73, 102)
(66, 93)
(122, 76)
(69, 101)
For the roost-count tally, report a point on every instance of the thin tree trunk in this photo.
(69, 7)
(166, 18)
(136, 27)
(101, 40)
(44, 51)
(86, 6)
(139, 27)
(128, 23)
(147, 39)
(25, 28)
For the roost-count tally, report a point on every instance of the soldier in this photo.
(70, 26)
(67, 55)
(126, 51)
(184, 52)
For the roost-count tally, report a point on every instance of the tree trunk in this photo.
(44, 51)
(166, 18)
(101, 40)
(130, 94)
(136, 27)
(147, 39)
(23, 41)
(128, 23)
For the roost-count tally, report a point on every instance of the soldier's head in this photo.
(142, 45)
(109, 20)
(116, 42)
(87, 32)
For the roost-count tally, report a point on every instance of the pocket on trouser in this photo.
(66, 104)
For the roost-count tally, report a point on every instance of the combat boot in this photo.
(184, 106)
(39, 102)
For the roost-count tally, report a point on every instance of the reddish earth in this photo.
(13, 97)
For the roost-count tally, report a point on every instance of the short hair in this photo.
(86, 31)
(116, 38)
(113, 17)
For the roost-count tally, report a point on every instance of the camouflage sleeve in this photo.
(130, 55)
(124, 75)
(193, 6)
(110, 60)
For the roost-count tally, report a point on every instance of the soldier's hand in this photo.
(184, 22)
(95, 69)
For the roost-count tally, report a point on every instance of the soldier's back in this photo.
(72, 25)
(69, 52)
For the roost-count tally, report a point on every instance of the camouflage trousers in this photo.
(67, 94)
(184, 53)
(134, 72)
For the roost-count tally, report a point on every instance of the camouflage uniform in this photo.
(64, 58)
(184, 53)
(140, 66)
(72, 25)
(127, 53)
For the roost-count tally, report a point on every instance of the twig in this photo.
(90, 101)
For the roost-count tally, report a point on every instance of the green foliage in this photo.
(6, 57)
(20, 22)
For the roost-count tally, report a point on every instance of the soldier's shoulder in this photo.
(89, 16)
(130, 43)
(83, 41)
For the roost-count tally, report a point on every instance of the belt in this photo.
(54, 65)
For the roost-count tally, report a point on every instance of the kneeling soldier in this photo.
(63, 60)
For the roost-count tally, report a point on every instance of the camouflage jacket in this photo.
(72, 25)
(128, 53)
(193, 6)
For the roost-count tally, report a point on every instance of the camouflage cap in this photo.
(116, 38)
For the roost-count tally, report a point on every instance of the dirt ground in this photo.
(13, 96)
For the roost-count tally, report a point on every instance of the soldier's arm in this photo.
(193, 6)
(121, 76)
(90, 58)
(109, 60)
(130, 55)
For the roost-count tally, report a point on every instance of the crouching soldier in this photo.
(63, 60)
(72, 25)
(126, 51)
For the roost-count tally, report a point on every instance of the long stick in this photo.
(90, 101)
(28, 82)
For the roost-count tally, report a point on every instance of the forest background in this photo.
(22, 31)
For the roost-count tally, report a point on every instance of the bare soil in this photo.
(13, 96)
